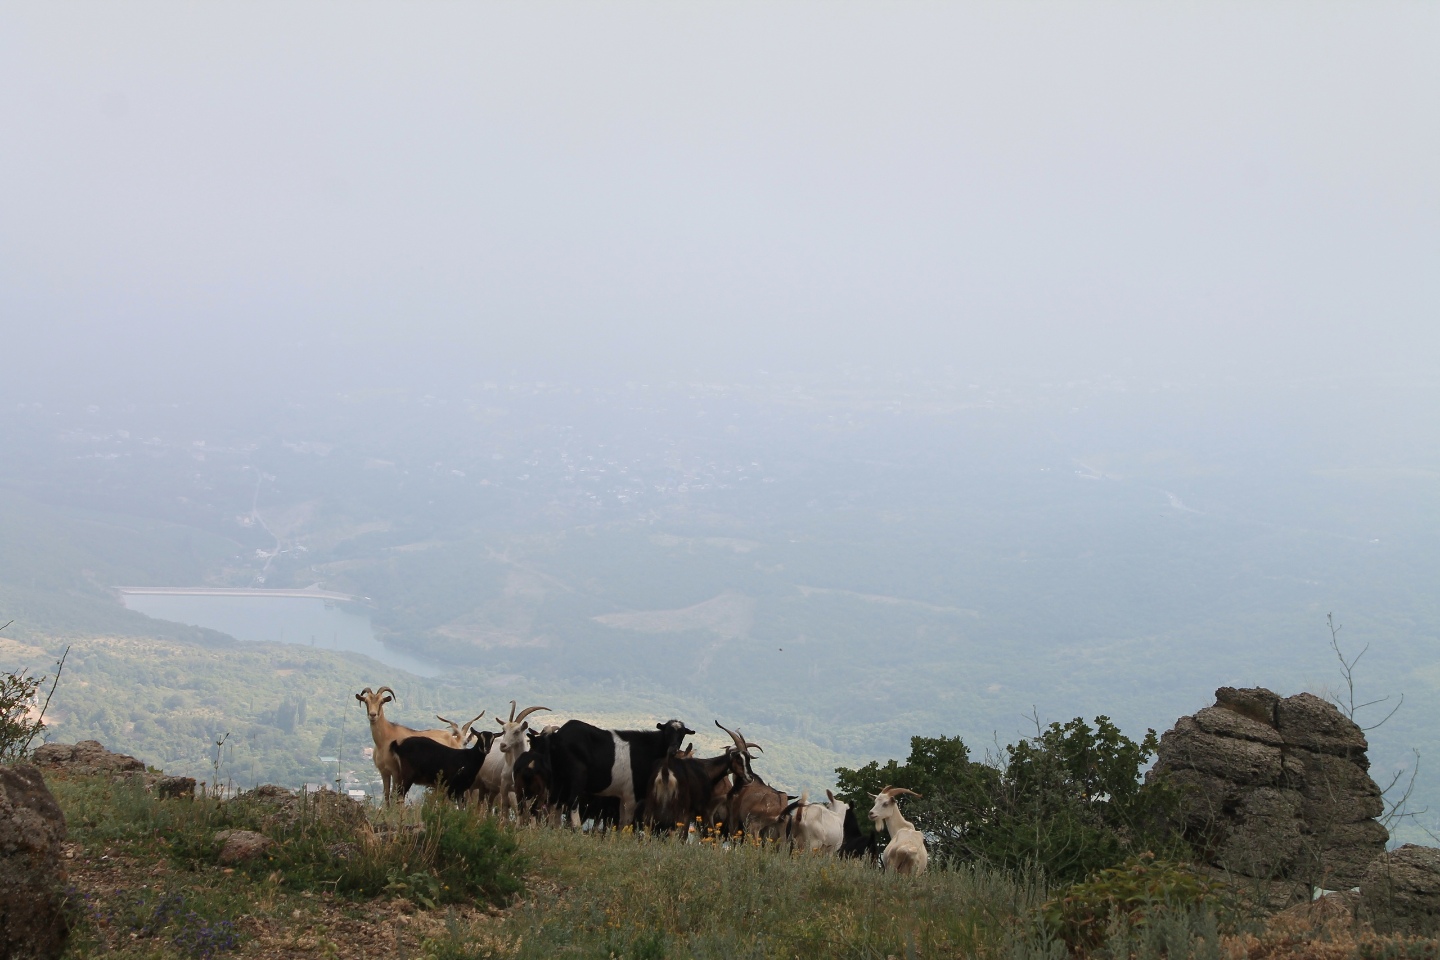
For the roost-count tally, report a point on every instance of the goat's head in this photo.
(740, 755)
(886, 805)
(512, 731)
(674, 733)
(835, 804)
(375, 701)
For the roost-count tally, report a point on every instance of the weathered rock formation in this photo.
(32, 880)
(1277, 789)
(86, 758)
(1401, 891)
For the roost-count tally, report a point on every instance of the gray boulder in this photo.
(32, 879)
(1275, 789)
(1401, 891)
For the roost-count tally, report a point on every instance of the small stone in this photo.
(175, 787)
(241, 846)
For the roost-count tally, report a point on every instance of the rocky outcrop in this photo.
(32, 880)
(86, 758)
(1275, 789)
(1401, 891)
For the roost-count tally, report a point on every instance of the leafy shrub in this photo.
(1067, 801)
(17, 727)
(472, 856)
(1116, 902)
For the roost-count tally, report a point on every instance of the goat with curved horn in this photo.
(497, 775)
(905, 853)
(740, 744)
(525, 713)
(385, 734)
(898, 791)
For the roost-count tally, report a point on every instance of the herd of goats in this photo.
(625, 776)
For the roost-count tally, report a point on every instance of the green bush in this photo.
(18, 728)
(1067, 802)
(451, 856)
(1117, 902)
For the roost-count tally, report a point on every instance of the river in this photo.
(303, 621)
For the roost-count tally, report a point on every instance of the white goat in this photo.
(818, 826)
(384, 733)
(905, 853)
(497, 775)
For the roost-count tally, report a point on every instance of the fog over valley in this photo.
(845, 373)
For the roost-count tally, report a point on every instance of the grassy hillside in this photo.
(342, 882)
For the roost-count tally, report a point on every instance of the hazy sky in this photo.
(615, 186)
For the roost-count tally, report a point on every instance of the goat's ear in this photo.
(830, 795)
(360, 697)
(387, 699)
(525, 725)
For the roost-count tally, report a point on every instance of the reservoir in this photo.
(303, 621)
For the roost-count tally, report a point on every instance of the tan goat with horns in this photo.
(384, 733)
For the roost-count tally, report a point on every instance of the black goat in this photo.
(432, 764)
(862, 846)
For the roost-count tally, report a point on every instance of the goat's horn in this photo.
(754, 746)
(385, 690)
(443, 720)
(897, 791)
(512, 712)
(365, 691)
(477, 717)
(739, 744)
(526, 712)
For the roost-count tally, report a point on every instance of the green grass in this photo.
(624, 895)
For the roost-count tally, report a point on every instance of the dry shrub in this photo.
(1325, 930)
